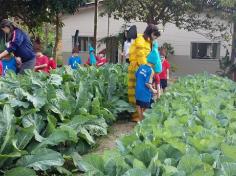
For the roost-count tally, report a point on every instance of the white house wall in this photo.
(84, 20)
(179, 38)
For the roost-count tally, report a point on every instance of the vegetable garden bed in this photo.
(47, 121)
(191, 131)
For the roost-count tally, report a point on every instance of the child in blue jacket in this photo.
(74, 60)
(9, 64)
(144, 81)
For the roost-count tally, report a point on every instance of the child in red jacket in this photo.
(101, 60)
(52, 64)
(1, 68)
(41, 64)
(164, 75)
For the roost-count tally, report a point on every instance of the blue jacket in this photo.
(144, 76)
(21, 46)
(74, 61)
(9, 64)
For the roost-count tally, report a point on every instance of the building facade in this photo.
(194, 53)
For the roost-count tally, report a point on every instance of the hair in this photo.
(126, 38)
(37, 45)
(75, 50)
(6, 23)
(162, 51)
(151, 29)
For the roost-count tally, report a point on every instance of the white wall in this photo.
(84, 19)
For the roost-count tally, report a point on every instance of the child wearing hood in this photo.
(8, 63)
(92, 58)
(74, 60)
(144, 80)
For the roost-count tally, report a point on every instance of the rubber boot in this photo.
(135, 117)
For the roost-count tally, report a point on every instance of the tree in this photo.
(193, 15)
(184, 14)
(230, 8)
(55, 10)
(95, 24)
(35, 13)
(226, 9)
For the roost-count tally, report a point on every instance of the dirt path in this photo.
(117, 130)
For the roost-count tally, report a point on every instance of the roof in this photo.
(89, 4)
(85, 6)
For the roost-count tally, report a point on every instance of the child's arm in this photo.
(168, 69)
(18, 60)
(149, 84)
(3, 54)
(158, 91)
(41, 66)
(151, 88)
(45, 61)
(168, 73)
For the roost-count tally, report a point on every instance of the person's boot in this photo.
(135, 117)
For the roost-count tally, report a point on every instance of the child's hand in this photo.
(18, 60)
(154, 91)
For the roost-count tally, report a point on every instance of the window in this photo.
(205, 50)
(83, 43)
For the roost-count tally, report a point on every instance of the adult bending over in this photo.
(20, 45)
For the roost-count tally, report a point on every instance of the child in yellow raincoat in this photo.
(139, 51)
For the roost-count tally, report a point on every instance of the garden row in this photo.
(191, 131)
(47, 121)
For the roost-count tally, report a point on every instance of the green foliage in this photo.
(45, 120)
(184, 14)
(169, 49)
(48, 51)
(35, 13)
(190, 131)
(2, 45)
(20, 171)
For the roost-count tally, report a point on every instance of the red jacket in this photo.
(52, 64)
(156, 78)
(100, 61)
(1, 68)
(165, 67)
(41, 61)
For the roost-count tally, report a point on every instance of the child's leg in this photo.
(140, 112)
(159, 91)
(166, 84)
(164, 90)
(163, 85)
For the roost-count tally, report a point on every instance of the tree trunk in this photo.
(233, 54)
(58, 41)
(95, 25)
(46, 28)
(108, 25)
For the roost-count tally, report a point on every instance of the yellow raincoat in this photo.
(138, 53)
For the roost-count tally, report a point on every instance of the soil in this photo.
(117, 130)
